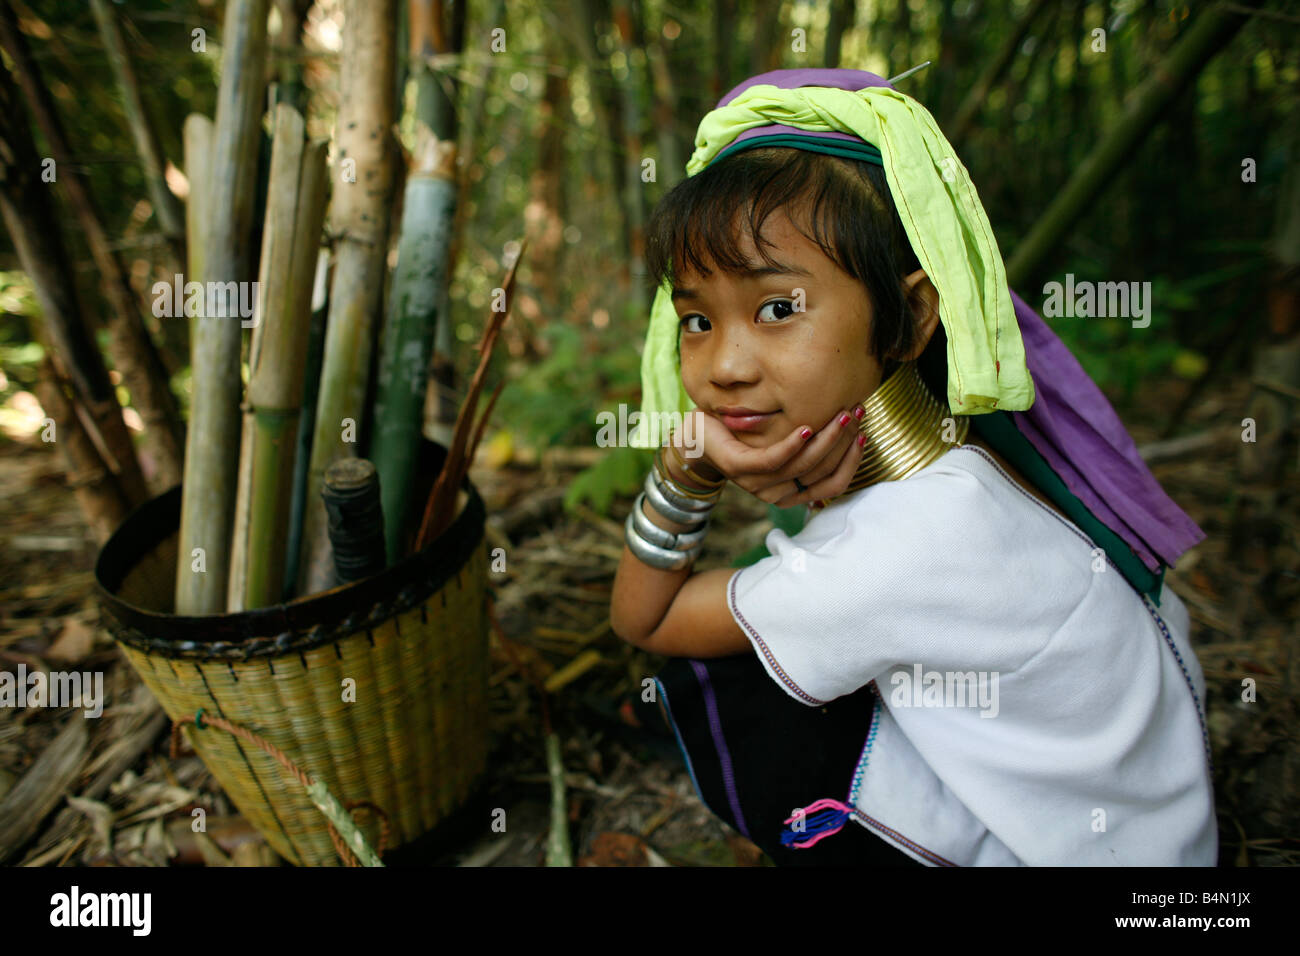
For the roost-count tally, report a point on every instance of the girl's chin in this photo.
(762, 438)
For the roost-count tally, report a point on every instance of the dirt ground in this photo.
(630, 800)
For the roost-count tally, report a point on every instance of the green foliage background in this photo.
(1177, 215)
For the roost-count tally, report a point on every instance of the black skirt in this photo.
(756, 755)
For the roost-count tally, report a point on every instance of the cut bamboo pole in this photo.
(278, 359)
(272, 292)
(211, 459)
(427, 211)
(359, 220)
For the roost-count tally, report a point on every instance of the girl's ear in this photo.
(923, 299)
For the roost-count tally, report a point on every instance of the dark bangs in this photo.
(842, 205)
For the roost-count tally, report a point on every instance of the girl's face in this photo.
(743, 345)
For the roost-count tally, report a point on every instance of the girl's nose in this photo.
(734, 357)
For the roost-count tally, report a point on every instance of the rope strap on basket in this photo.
(349, 841)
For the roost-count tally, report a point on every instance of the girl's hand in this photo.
(824, 463)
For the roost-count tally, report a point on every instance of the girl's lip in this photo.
(743, 423)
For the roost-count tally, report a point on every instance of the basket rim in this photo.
(292, 626)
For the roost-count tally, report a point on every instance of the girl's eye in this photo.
(785, 304)
(782, 303)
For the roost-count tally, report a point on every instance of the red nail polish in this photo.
(844, 420)
(805, 433)
(858, 412)
(862, 440)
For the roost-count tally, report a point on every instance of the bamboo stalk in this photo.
(1213, 29)
(276, 368)
(359, 220)
(197, 136)
(26, 209)
(272, 293)
(165, 205)
(421, 272)
(130, 344)
(994, 69)
(208, 499)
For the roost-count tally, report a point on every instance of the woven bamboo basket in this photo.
(377, 687)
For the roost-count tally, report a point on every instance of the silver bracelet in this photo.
(682, 501)
(661, 503)
(651, 533)
(661, 558)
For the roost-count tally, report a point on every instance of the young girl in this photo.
(964, 657)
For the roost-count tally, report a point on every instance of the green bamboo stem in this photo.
(281, 201)
(272, 291)
(211, 464)
(275, 385)
(427, 212)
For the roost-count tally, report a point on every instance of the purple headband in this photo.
(1071, 424)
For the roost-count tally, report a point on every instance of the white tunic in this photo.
(1033, 708)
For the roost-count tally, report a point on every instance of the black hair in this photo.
(849, 213)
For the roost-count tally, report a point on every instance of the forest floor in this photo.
(630, 799)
